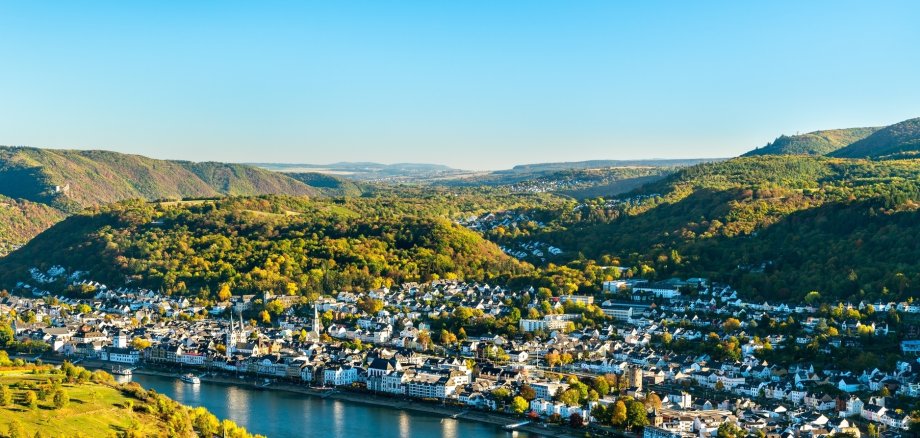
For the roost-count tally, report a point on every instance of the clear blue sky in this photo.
(472, 84)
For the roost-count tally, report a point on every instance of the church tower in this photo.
(317, 323)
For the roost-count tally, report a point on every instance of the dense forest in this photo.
(901, 140)
(813, 143)
(39, 187)
(21, 220)
(282, 245)
(86, 178)
(776, 226)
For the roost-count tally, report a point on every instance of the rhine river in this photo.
(280, 414)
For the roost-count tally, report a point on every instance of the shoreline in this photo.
(448, 411)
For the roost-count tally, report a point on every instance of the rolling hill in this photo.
(21, 220)
(369, 171)
(777, 227)
(901, 140)
(259, 244)
(71, 179)
(330, 185)
(39, 187)
(813, 143)
(98, 407)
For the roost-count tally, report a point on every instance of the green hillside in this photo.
(39, 187)
(88, 178)
(776, 226)
(260, 244)
(330, 185)
(813, 143)
(73, 402)
(901, 140)
(21, 220)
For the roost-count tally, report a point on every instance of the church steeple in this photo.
(317, 324)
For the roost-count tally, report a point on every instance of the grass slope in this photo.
(94, 410)
(98, 407)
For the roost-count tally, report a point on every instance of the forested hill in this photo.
(777, 227)
(260, 244)
(39, 187)
(20, 220)
(901, 140)
(813, 143)
(897, 141)
(70, 179)
(331, 185)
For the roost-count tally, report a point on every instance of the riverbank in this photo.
(448, 411)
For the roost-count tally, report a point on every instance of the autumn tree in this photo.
(30, 400)
(60, 399)
(527, 392)
(519, 405)
(224, 293)
(571, 397)
(140, 343)
(552, 359)
(370, 305)
(730, 430)
(731, 324)
(6, 396)
(424, 339)
(636, 415)
(619, 416)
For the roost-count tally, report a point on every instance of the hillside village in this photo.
(336, 342)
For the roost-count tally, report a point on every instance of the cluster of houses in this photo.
(510, 220)
(133, 327)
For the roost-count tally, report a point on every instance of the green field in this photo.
(97, 407)
(94, 409)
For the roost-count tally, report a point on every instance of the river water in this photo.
(279, 414)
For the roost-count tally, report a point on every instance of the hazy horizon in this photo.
(476, 86)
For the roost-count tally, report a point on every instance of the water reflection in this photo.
(404, 428)
(338, 414)
(449, 428)
(279, 414)
(237, 403)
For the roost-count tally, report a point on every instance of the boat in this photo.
(190, 378)
(121, 371)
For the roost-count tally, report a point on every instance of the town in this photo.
(678, 358)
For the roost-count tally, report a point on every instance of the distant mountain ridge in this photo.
(39, 187)
(593, 164)
(71, 179)
(900, 140)
(367, 171)
(813, 143)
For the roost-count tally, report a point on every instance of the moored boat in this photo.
(190, 378)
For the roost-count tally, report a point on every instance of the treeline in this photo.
(775, 226)
(269, 244)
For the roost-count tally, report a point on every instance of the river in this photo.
(280, 414)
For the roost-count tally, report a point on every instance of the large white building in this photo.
(548, 323)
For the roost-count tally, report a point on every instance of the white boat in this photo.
(190, 378)
(121, 371)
